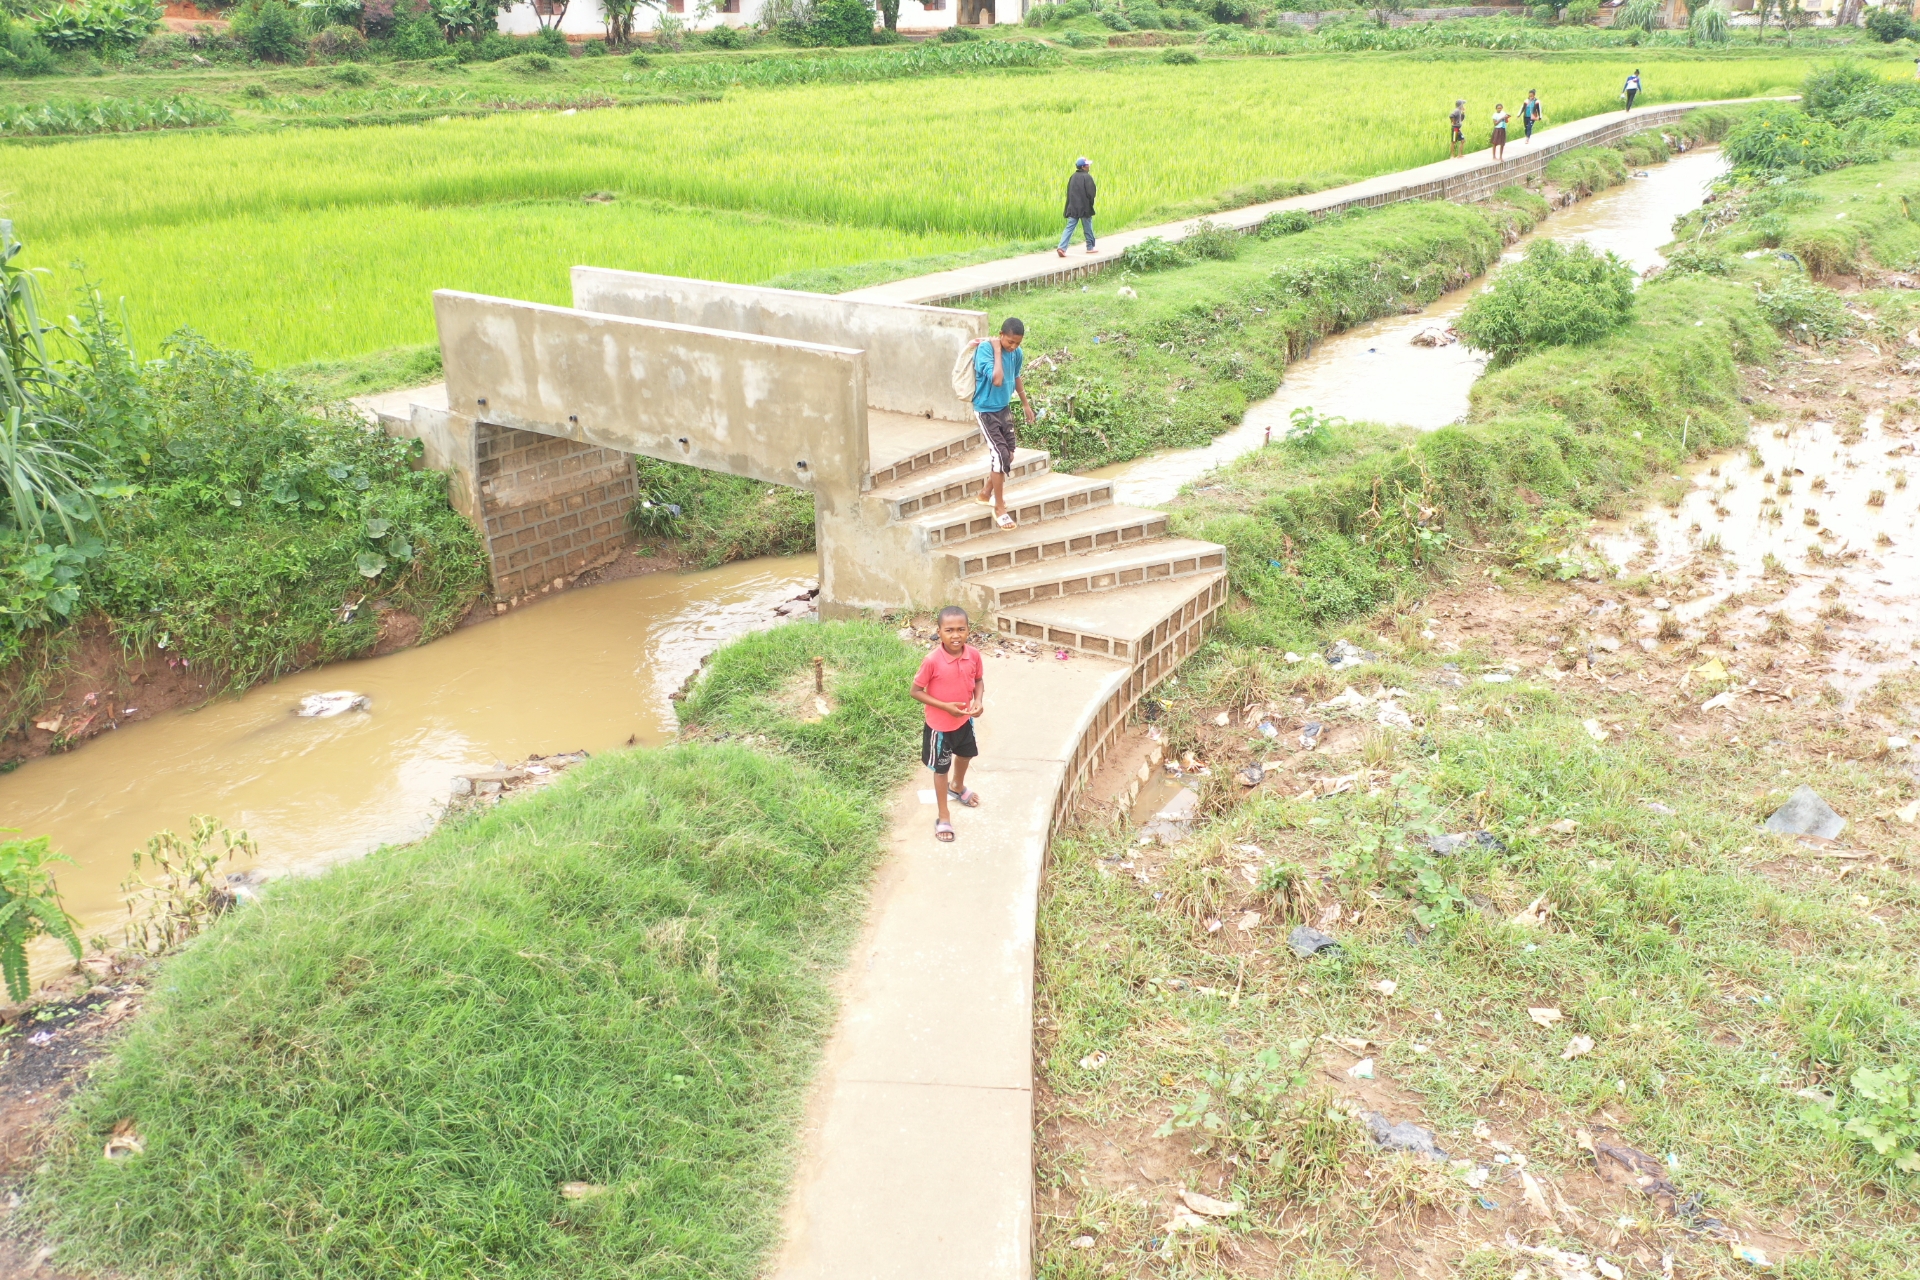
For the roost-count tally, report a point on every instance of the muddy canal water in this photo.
(587, 669)
(1375, 373)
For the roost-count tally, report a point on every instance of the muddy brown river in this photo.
(586, 669)
(1374, 372)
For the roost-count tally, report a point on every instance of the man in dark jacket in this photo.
(1079, 206)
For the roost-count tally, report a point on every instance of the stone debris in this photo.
(1343, 654)
(323, 706)
(1806, 814)
(534, 771)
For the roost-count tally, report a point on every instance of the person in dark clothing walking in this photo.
(1079, 206)
(1531, 113)
(1631, 89)
(1457, 124)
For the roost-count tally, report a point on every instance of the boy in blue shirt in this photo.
(996, 376)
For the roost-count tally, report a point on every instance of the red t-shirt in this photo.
(950, 679)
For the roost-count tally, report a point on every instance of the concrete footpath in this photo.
(1474, 176)
(918, 1142)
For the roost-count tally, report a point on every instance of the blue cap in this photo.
(1081, 163)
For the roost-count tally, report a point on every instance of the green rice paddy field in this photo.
(315, 244)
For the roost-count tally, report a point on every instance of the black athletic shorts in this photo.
(938, 749)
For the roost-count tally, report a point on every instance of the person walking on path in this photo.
(1631, 89)
(1458, 122)
(952, 685)
(1500, 118)
(1080, 191)
(996, 376)
(1530, 114)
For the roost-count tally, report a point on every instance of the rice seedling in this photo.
(251, 238)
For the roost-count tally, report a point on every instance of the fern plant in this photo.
(29, 908)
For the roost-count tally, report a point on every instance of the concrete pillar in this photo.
(549, 507)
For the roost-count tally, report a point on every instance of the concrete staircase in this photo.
(1079, 571)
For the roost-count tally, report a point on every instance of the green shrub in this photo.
(1153, 254)
(1287, 222)
(1824, 251)
(1581, 12)
(1698, 260)
(1554, 296)
(1211, 240)
(841, 22)
(354, 74)
(1180, 57)
(960, 35)
(269, 31)
(1775, 138)
(723, 37)
(338, 43)
(550, 41)
(1802, 309)
(416, 36)
(1890, 24)
(22, 53)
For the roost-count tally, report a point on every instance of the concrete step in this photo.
(1134, 624)
(900, 445)
(955, 482)
(1032, 502)
(1096, 571)
(1098, 528)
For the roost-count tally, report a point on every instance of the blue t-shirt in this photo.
(988, 398)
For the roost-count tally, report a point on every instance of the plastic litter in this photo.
(1545, 1017)
(1308, 941)
(1267, 729)
(1806, 814)
(1207, 1205)
(1405, 1136)
(1342, 654)
(1446, 846)
(321, 706)
(1361, 1070)
(1310, 734)
(1577, 1047)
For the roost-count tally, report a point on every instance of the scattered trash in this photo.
(321, 706)
(1267, 729)
(1343, 654)
(534, 771)
(1392, 716)
(1435, 335)
(1208, 1205)
(1386, 986)
(1545, 1017)
(51, 724)
(1248, 920)
(1496, 677)
(1806, 814)
(124, 1141)
(1476, 1176)
(1183, 1219)
(1721, 700)
(1535, 1197)
(1213, 926)
(1175, 820)
(1534, 915)
(1750, 1255)
(1577, 1047)
(1308, 942)
(1310, 734)
(1655, 806)
(1291, 657)
(1485, 1203)
(1713, 671)
(1361, 1070)
(1223, 720)
(927, 796)
(41, 1039)
(820, 707)
(1596, 731)
(1251, 775)
(1910, 814)
(1405, 1136)
(1446, 846)
(1648, 1174)
(1348, 698)
(1661, 604)
(1083, 1242)
(1329, 916)
(1565, 827)
(582, 1190)
(1129, 292)
(1094, 1061)
(1608, 1270)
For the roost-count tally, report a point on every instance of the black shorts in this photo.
(937, 749)
(996, 427)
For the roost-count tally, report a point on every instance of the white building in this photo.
(583, 17)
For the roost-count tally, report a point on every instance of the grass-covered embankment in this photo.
(393, 1068)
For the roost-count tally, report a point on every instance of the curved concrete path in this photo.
(1474, 176)
(917, 1160)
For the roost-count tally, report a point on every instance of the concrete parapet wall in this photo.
(910, 349)
(780, 411)
(549, 507)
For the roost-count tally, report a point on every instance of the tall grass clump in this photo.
(570, 1035)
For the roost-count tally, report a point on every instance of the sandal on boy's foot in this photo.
(984, 499)
(943, 831)
(965, 796)
(1004, 520)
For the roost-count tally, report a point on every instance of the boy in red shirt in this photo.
(951, 684)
